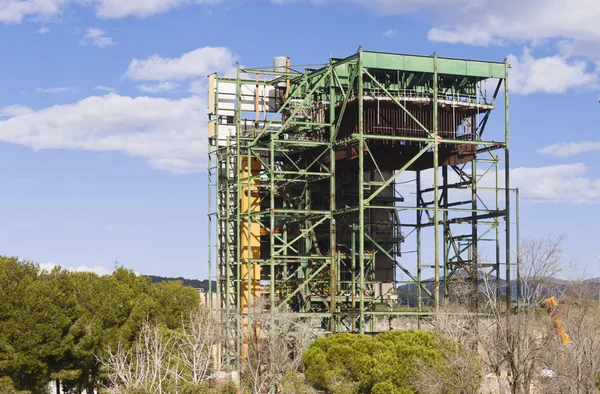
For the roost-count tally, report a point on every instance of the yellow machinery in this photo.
(250, 245)
(550, 304)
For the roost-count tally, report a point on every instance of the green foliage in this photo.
(7, 387)
(54, 324)
(194, 283)
(296, 383)
(393, 362)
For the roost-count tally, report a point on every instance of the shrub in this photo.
(396, 362)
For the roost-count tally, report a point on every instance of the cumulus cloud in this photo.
(567, 149)
(197, 63)
(43, 30)
(495, 22)
(552, 74)
(566, 183)
(14, 110)
(492, 22)
(169, 134)
(15, 11)
(198, 87)
(158, 88)
(97, 38)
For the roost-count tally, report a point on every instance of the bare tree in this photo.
(541, 260)
(515, 342)
(512, 344)
(278, 339)
(575, 366)
(163, 361)
(143, 367)
(197, 344)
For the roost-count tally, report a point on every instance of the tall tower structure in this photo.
(334, 186)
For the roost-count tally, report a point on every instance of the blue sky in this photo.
(103, 111)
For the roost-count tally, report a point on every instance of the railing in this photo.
(417, 95)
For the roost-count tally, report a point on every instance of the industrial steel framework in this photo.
(330, 187)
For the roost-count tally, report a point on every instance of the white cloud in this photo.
(570, 149)
(462, 35)
(97, 37)
(59, 89)
(82, 268)
(567, 183)
(198, 87)
(552, 74)
(169, 134)
(194, 64)
(493, 22)
(107, 89)
(15, 11)
(14, 110)
(158, 88)
(43, 30)
(389, 33)
(141, 8)
(407, 6)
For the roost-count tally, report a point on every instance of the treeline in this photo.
(195, 283)
(57, 325)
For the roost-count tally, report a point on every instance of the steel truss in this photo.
(311, 203)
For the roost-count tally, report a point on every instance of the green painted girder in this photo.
(426, 64)
(419, 68)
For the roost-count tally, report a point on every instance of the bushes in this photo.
(394, 362)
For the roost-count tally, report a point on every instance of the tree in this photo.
(541, 260)
(54, 324)
(197, 345)
(165, 360)
(146, 366)
(114, 307)
(392, 362)
(30, 323)
(575, 366)
(514, 341)
(278, 339)
(7, 387)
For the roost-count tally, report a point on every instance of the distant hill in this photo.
(588, 288)
(195, 283)
(407, 293)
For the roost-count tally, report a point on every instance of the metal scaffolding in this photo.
(332, 187)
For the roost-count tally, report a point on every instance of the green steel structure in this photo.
(333, 186)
